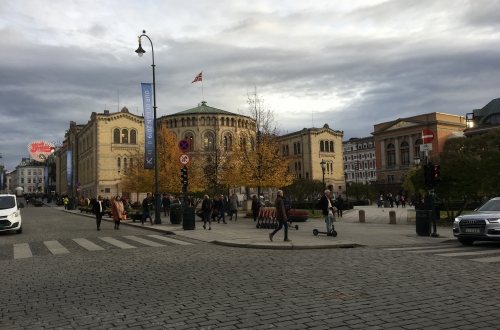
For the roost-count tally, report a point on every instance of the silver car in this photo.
(481, 225)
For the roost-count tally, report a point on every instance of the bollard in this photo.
(392, 217)
(362, 216)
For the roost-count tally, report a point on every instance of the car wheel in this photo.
(466, 241)
(20, 230)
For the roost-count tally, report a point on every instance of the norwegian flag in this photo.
(199, 77)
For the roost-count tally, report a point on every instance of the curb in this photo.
(286, 246)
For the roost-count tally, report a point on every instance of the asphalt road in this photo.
(203, 286)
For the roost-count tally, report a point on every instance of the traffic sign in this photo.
(427, 136)
(184, 159)
(184, 145)
(426, 147)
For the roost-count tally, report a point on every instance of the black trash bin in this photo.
(423, 222)
(175, 213)
(188, 221)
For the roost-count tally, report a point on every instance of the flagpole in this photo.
(202, 94)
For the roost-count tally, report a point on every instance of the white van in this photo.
(10, 214)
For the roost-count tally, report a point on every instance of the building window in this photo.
(133, 136)
(390, 178)
(331, 147)
(228, 142)
(116, 135)
(416, 149)
(118, 163)
(124, 135)
(391, 155)
(321, 146)
(190, 138)
(405, 153)
(125, 164)
(208, 141)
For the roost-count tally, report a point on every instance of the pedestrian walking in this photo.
(165, 203)
(117, 211)
(147, 205)
(220, 205)
(206, 208)
(255, 207)
(280, 216)
(327, 210)
(98, 209)
(340, 205)
(233, 207)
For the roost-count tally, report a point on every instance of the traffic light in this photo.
(184, 176)
(428, 175)
(436, 173)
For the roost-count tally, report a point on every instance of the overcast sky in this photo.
(350, 64)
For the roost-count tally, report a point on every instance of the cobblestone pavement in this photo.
(204, 286)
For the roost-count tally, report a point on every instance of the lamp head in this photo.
(323, 164)
(140, 51)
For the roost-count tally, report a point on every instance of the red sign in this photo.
(40, 150)
(184, 159)
(427, 136)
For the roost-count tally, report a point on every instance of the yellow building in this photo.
(308, 147)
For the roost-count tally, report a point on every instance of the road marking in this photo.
(115, 242)
(473, 253)
(417, 247)
(438, 250)
(88, 245)
(171, 240)
(487, 259)
(22, 250)
(143, 241)
(55, 247)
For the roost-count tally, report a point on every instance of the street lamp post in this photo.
(323, 168)
(140, 51)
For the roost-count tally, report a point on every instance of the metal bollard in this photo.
(392, 217)
(362, 216)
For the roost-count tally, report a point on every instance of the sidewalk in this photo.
(376, 231)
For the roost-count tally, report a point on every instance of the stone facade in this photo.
(308, 147)
(359, 160)
(397, 144)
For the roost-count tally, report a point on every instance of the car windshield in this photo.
(7, 202)
(491, 205)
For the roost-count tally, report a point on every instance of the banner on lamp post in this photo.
(69, 167)
(149, 126)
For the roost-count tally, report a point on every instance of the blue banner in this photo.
(69, 167)
(149, 126)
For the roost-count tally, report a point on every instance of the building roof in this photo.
(204, 109)
(493, 107)
(312, 130)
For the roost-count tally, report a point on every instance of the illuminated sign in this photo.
(40, 150)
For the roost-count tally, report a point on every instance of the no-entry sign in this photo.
(427, 136)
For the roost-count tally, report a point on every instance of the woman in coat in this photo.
(117, 211)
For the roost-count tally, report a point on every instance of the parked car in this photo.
(481, 225)
(10, 213)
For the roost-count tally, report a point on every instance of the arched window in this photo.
(391, 155)
(116, 135)
(331, 146)
(208, 141)
(190, 138)
(125, 164)
(321, 146)
(404, 151)
(133, 136)
(416, 149)
(124, 135)
(243, 143)
(252, 142)
(119, 163)
(228, 142)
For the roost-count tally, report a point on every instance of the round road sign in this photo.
(184, 159)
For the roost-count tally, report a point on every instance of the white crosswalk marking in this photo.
(143, 241)
(171, 240)
(438, 250)
(88, 245)
(55, 247)
(117, 243)
(22, 250)
(468, 253)
(417, 247)
(487, 259)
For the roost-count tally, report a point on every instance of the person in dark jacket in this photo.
(280, 216)
(147, 206)
(221, 206)
(327, 209)
(255, 207)
(206, 208)
(340, 205)
(98, 209)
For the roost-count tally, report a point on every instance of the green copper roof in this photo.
(203, 108)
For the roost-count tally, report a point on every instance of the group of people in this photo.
(390, 200)
(117, 211)
(215, 209)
